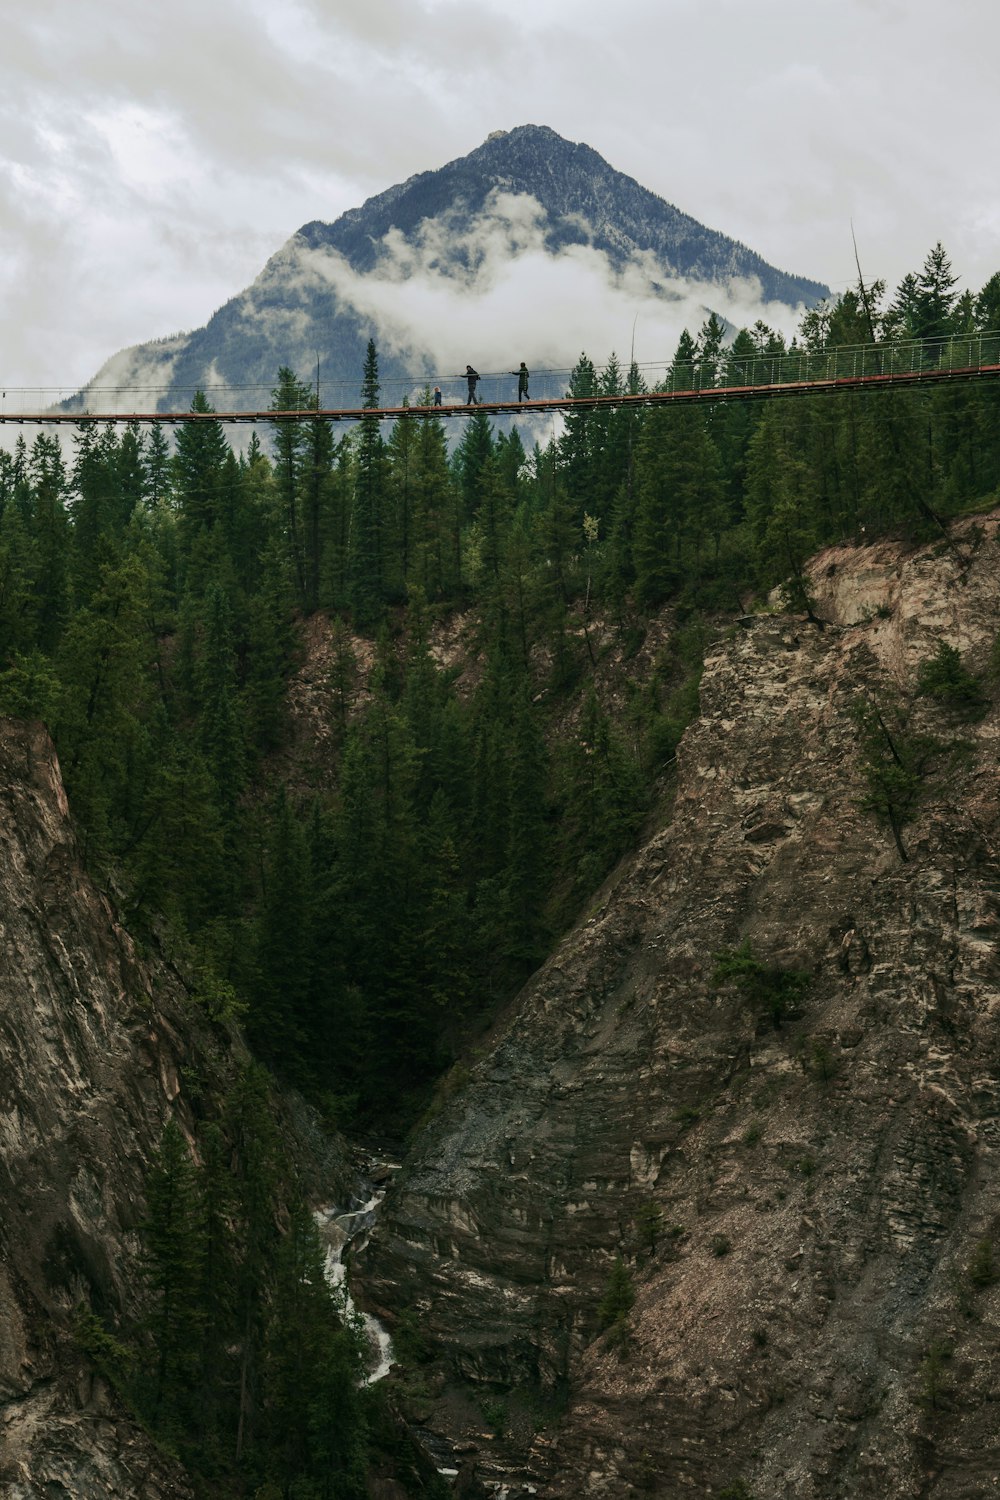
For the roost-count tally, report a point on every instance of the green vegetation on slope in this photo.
(151, 612)
(148, 609)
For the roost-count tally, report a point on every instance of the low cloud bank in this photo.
(487, 291)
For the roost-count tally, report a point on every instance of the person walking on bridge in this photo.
(523, 375)
(472, 377)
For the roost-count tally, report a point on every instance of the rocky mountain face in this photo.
(586, 203)
(93, 1045)
(805, 1195)
(318, 300)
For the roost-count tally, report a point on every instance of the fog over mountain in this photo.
(530, 247)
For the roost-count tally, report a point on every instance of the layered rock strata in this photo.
(809, 1211)
(91, 1053)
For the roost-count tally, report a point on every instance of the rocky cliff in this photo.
(92, 1048)
(804, 1195)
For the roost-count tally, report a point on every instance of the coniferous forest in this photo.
(154, 598)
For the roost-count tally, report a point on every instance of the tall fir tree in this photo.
(367, 559)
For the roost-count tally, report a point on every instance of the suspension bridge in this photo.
(764, 376)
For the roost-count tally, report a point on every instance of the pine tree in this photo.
(222, 733)
(682, 372)
(19, 574)
(781, 507)
(437, 516)
(279, 1023)
(603, 797)
(526, 856)
(156, 459)
(104, 662)
(173, 1269)
(315, 1431)
(199, 470)
(215, 1292)
(131, 472)
(577, 448)
(258, 1169)
(50, 526)
(680, 498)
(902, 317)
(97, 519)
(402, 455)
(291, 443)
(472, 455)
(711, 342)
(367, 561)
(935, 297)
(619, 1298)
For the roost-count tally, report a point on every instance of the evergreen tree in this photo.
(781, 507)
(19, 575)
(103, 663)
(577, 448)
(367, 563)
(173, 1269)
(200, 470)
(97, 509)
(402, 455)
(902, 317)
(315, 1433)
(437, 516)
(156, 459)
(711, 341)
(680, 499)
(472, 454)
(258, 1170)
(280, 1023)
(51, 529)
(603, 797)
(223, 741)
(935, 297)
(291, 470)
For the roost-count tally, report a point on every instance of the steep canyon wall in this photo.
(816, 1314)
(92, 1044)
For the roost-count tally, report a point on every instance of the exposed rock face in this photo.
(814, 1325)
(90, 1062)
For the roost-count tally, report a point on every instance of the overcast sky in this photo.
(153, 157)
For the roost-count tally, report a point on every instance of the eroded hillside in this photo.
(92, 1055)
(799, 1174)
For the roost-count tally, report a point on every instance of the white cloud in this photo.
(523, 302)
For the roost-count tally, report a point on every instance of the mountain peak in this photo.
(417, 267)
(585, 201)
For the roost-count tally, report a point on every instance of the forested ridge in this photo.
(365, 930)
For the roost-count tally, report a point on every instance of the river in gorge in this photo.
(347, 1228)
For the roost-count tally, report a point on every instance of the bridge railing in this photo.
(792, 369)
(965, 352)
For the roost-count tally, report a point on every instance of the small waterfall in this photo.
(351, 1226)
(339, 1228)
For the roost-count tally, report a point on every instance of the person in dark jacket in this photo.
(437, 395)
(472, 377)
(523, 375)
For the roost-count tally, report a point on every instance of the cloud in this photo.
(146, 369)
(487, 291)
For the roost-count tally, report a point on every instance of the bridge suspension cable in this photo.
(722, 377)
